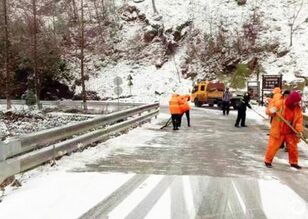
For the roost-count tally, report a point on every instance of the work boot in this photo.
(268, 165)
(296, 166)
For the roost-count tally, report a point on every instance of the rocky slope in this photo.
(184, 40)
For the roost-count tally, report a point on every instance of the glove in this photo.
(273, 110)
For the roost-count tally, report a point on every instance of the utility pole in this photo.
(35, 69)
(82, 44)
(154, 7)
(7, 59)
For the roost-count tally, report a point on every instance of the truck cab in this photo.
(206, 92)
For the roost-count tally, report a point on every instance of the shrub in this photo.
(30, 98)
(241, 2)
(240, 75)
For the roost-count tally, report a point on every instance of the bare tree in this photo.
(75, 10)
(294, 9)
(99, 19)
(82, 45)
(7, 59)
(54, 14)
(35, 69)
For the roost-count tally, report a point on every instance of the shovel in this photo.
(167, 123)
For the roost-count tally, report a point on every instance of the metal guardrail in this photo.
(10, 166)
(95, 106)
(31, 141)
(71, 103)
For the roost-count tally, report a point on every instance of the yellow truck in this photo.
(207, 92)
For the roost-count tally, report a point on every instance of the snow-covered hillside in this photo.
(156, 48)
(149, 81)
(276, 16)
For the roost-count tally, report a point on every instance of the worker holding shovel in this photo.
(287, 125)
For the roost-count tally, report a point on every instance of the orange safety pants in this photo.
(274, 145)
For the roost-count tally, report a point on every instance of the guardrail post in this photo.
(58, 104)
(10, 165)
(2, 152)
(9, 149)
(8, 169)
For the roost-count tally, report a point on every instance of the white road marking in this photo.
(239, 198)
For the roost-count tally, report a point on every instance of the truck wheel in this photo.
(211, 103)
(197, 103)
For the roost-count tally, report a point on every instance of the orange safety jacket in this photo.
(185, 105)
(275, 99)
(278, 127)
(174, 104)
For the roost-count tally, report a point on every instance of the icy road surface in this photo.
(211, 170)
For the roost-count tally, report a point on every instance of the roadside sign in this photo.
(118, 90)
(254, 87)
(117, 80)
(270, 81)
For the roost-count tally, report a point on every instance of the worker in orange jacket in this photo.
(291, 111)
(275, 96)
(175, 110)
(185, 108)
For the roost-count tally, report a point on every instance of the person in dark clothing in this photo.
(226, 101)
(241, 113)
(185, 108)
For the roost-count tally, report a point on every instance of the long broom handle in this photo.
(285, 121)
(167, 123)
(258, 113)
(291, 127)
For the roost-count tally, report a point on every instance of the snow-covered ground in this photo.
(63, 191)
(151, 84)
(276, 16)
(51, 189)
(18, 122)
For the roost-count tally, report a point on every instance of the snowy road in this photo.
(211, 170)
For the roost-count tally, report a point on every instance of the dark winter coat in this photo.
(244, 103)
